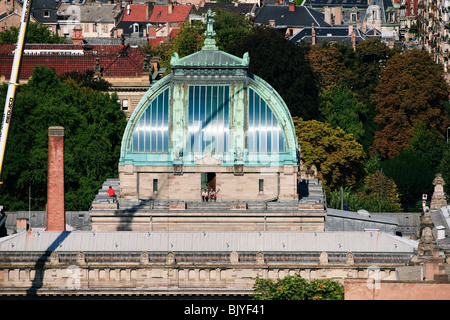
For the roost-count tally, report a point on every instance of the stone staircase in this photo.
(311, 197)
(311, 194)
(102, 200)
(306, 213)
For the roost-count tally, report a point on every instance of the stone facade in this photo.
(277, 182)
(166, 274)
(369, 289)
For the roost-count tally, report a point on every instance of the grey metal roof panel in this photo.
(137, 241)
(355, 215)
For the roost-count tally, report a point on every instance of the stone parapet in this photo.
(180, 219)
(161, 278)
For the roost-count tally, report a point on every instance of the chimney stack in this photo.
(353, 37)
(313, 35)
(291, 6)
(56, 220)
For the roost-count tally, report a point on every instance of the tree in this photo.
(189, 39)
(296, 288)
(284, 65)
(338, 157)
(93, 125)
(380, 193)
(361, 76)
(412, 90)
(364, 66)
(327, 64)
(87, 79)
(230, 26)
(36, 33)
(377, 194)
(344, 198)
(428, 145)
(411, 174)
(340, 108)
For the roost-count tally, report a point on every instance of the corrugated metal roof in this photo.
(96, 241)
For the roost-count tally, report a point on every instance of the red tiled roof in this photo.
(160, 13)
(156, 40)
(115, 60)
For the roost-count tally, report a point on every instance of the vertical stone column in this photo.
(55, 181)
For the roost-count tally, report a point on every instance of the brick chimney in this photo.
(55, 181)
(291, 6)
(353, 37)
(313, 35)
(77, 36)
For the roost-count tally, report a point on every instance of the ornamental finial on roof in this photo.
(210, 41)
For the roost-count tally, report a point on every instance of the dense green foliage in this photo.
(412, 175)
(36, 33)
(284, 65)
(340, 108)
(93, 125)
(339, 158)
(296, 288)
(396, 106)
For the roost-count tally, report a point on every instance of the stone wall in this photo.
(165, 277)
(370, 289)
(169, 186)
(137, 182)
